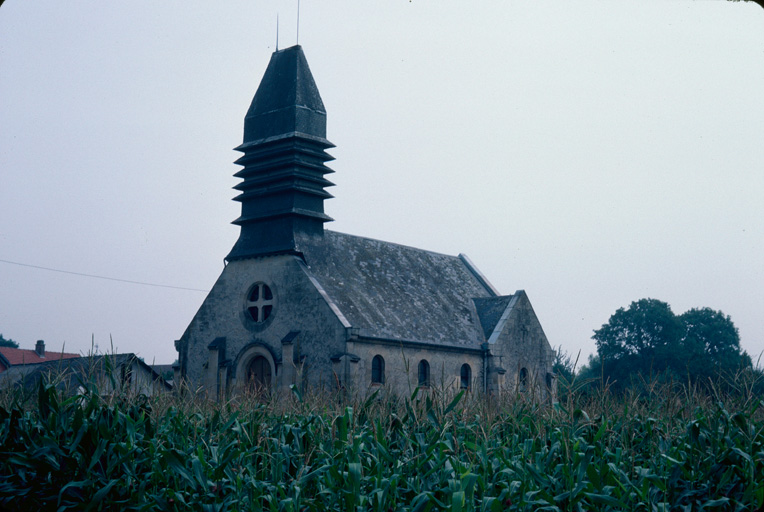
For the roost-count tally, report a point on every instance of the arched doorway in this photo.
(259, 373)
(254, 369)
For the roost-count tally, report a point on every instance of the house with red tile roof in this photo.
(18, 356)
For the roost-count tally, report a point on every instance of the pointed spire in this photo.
(284, 154)
(286, 101)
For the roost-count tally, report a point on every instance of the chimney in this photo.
(40, 348)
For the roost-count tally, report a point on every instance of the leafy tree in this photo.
(711, 343)
(592, 371)
(643, 339)
(648, 340)
(8, 342)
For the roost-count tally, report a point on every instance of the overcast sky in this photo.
(589, 152)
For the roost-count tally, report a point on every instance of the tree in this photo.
(649, 340)
(592, 370)
(8, 342)
(711, 343)
(641, 340)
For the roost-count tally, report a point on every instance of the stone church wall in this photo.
(524, 354)
(402, 366)
(296, 306)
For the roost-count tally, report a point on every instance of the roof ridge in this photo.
(3, 349)
(397, 244)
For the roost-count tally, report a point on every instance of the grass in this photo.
(670, 447)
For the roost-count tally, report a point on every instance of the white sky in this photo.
(590, 152)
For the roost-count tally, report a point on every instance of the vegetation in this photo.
(684, 430)
(648, 339)
(564, 367)
(670, 448)
(8, 342)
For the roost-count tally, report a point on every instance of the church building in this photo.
(299, 304)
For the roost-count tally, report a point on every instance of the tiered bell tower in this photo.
(282, 194)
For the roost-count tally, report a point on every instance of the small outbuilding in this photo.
(110, 373)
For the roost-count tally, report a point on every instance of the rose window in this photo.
(260, 302)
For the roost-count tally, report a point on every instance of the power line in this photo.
(102, 277)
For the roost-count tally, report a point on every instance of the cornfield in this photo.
(669, 449)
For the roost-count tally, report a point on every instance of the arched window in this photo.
(549, 380)
(523, 378)
(424, 373)
(466, 376)
(377, 370)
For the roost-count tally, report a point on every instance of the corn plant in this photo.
(670, 449)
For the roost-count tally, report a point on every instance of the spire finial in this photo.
(298, 22)
(277, 31)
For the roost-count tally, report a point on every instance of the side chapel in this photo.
(299, 304)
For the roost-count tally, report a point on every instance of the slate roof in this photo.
(287, 100)
(162, 368)
(395, 292)
(16, 356)
(489, 311)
